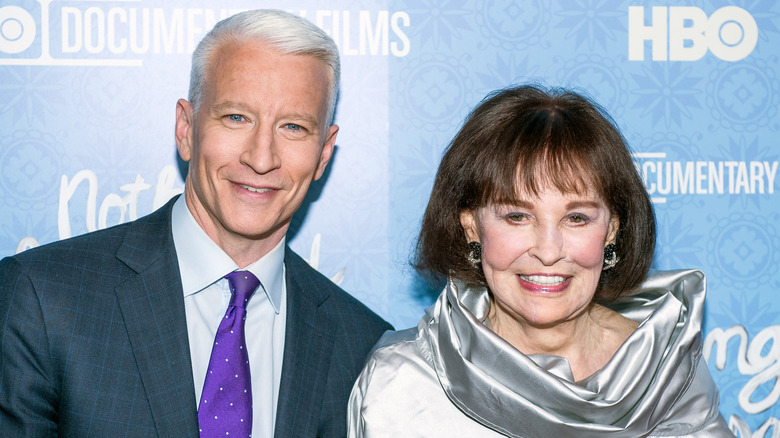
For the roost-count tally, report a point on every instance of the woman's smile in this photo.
(544, 283)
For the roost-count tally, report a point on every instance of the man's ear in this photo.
(614, 225)
(327, 150)
(468, 221)
(185, 119)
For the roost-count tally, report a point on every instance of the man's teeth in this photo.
(544, 280)
(252, 189)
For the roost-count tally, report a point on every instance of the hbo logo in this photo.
(684, 33)
(17, 29)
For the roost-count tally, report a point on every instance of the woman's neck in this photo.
(588, 341)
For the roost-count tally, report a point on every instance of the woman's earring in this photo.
(610, 258)
(474, 256)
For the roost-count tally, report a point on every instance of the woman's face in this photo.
(543, 256)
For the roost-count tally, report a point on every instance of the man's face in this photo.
(259, 138)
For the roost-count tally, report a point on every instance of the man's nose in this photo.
(261, 151)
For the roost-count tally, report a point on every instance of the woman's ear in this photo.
(468, 220)
(614, 225)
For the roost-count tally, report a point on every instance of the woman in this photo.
(542, 228)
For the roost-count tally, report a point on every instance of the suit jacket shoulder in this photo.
(329, 334)
(321, 290)
(94, 339)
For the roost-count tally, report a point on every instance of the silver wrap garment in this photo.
(451, 376)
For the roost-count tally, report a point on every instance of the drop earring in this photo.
(474, 255)
(610, 257)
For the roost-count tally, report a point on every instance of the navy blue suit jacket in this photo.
(94, 341)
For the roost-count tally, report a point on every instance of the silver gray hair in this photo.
(288, 33)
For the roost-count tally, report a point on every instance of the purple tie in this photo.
(226, 402)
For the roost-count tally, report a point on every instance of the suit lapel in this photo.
(307, 352)
(152, 306)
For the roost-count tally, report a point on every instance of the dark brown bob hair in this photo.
(521, 140)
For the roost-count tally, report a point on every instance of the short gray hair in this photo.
(288, 33)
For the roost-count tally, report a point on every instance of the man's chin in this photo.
(273, 233)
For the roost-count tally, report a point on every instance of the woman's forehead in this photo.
(546, 190)
(575, 183)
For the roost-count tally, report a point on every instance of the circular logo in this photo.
(732, 33)
(17, 29)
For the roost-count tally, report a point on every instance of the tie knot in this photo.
(242, 286)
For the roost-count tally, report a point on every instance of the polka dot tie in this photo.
(226, 402)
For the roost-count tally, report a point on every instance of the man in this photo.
(111, 333)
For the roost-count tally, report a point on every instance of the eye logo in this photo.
(17, 29)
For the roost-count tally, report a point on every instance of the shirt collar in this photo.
(202, 262)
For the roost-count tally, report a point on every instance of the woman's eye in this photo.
(578, 218)
(515, 217)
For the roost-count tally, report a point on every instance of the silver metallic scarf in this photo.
(534, 396)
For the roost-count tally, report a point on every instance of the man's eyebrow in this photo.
(305, 117)
(227, 105)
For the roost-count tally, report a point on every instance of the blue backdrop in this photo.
(87, 103)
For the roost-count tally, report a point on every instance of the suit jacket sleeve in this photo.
(28, 397)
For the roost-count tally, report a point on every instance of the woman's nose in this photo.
(548, 245)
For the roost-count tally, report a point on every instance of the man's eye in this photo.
(236, 118)
(293, 127)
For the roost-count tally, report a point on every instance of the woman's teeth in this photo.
(544, 280)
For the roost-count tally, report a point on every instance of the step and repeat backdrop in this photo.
(87, 103)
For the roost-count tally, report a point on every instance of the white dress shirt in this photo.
(202, 265)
